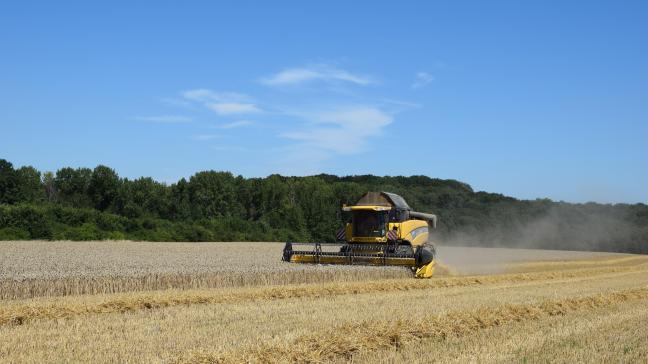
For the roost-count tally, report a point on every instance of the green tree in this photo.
(103, 187)
(142, 197)
(73, 187)
(49, 187)
(319, 206)
(30, 188)
(8, 183)
(179, 204)
(213, 194)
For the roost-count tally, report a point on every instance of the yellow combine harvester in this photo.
(383, 230)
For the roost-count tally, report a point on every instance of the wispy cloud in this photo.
(206, 95)
(308, 128)
(341, 131)
(422, 79)
(163, 119)
(177, 102)
(236, 124)
(402, 105)
(294, 76)
(223, 103)
(229, 108)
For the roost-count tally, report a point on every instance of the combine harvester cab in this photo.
(383, 230)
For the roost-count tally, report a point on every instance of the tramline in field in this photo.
(383, 230)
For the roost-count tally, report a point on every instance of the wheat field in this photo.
(130, 302)
(39, 268)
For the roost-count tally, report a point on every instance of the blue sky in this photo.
(531, 99)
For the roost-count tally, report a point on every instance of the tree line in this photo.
(94, 204)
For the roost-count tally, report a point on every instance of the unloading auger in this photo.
(383, 230)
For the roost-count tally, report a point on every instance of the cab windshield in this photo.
(369, 223)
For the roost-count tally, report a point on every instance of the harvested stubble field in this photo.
(236, 302)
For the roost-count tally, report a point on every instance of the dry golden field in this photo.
(128, 302)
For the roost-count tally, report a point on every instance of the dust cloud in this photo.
(563, 233)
